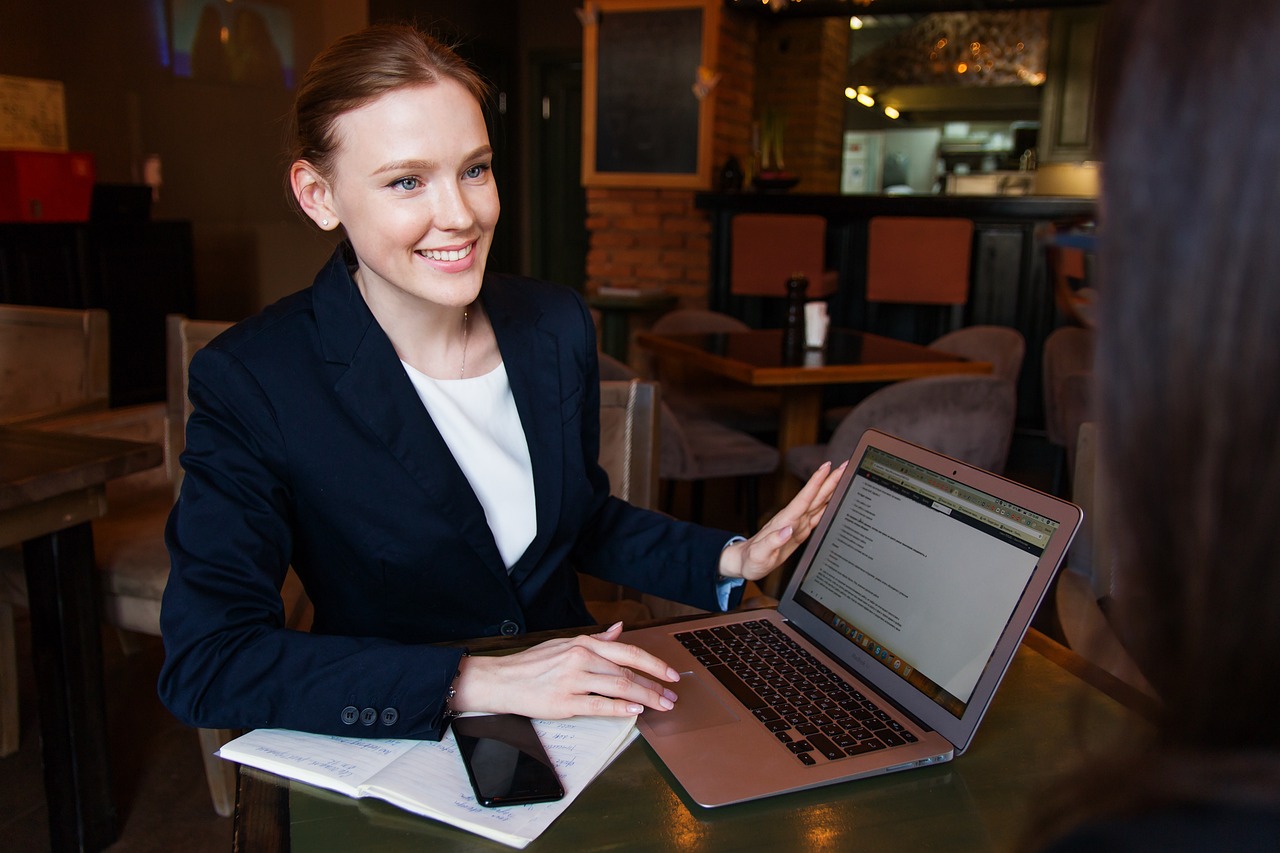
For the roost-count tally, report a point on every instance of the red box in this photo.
(45, 186)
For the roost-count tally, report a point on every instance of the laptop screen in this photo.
(922, 573)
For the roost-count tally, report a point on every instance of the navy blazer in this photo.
(309, 446)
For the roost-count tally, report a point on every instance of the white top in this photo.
(477, 418)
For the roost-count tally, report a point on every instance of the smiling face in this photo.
(412, 183)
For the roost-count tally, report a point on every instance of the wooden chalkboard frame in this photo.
(630, 169)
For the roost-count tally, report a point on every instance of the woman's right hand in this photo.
(586, 675)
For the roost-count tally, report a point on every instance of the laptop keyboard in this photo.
(809, 708)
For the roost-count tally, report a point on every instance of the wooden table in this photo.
(756, 358)
(51, 487)
(1052, 706)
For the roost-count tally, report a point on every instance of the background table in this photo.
(1052, 706)
(757, 358)
(51, 487)
(618, 309)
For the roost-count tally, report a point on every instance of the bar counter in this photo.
(1009, 285)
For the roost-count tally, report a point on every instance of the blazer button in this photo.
(509, 628)
(368, 717)
(390, 716)
(350, 714)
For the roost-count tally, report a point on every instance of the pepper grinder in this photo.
(793, 330)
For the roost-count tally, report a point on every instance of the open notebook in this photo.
(908, 603)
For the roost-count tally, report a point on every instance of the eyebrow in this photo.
(428, 165)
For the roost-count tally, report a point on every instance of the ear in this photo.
(314, 194)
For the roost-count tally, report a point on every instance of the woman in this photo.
(1188, 369)
(418, 439)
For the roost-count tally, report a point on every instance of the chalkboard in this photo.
(642, 123)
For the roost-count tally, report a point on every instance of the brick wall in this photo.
(648, 238)
(655, 237)
(802, 66)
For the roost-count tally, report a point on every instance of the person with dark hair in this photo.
(418, 438)
(1187, 370)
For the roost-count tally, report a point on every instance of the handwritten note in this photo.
(427, 778)
(32, 114)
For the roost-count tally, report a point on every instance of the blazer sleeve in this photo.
(640, 548)
(229, 660)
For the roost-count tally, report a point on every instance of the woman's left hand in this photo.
(786, 531)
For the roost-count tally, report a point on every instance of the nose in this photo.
(451, 210)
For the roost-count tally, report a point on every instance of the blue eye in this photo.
(406, 184)
(477, 171)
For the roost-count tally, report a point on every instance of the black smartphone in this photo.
(505, 760)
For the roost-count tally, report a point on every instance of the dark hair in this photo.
(1187, 374)
(359, 68)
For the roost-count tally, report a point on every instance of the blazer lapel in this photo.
(532, 358)
(376, 391)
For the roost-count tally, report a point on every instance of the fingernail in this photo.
(670, 694)
(666, 703)
(785, 533)
(614, 626)
(635, 709)
(672, 675)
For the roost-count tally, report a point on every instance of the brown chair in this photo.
(922, 262)
(769, 248)
(1075, 300)
(129, 543)
(969, 417)
(702, 395)
(53, 362)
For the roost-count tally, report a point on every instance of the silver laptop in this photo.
(907, 604)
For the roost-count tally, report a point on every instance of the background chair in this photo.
(1001, 346)
(1087, 583)
(967, 417)
(922, 262)
(129, 540)
(1074, 299)
(766, 249)
(629, 455)
(1067, 363)
(53, 362)
(703, 395)
(694, 449)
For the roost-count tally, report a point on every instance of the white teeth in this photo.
(450, 255)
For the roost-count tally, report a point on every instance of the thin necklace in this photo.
(462, 374)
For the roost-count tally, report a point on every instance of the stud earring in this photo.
(324, 223)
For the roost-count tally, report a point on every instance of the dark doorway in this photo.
(557, 214)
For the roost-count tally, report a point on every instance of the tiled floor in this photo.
(157, 772)
(159, 780)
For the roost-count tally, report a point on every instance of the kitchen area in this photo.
(971, 103)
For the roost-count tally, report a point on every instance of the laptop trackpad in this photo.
(697, 708)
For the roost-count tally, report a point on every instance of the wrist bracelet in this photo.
(449, 713)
